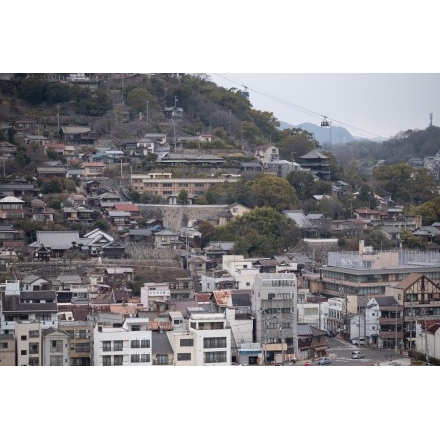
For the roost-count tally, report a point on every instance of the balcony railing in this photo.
(390, 321)
(391, 335)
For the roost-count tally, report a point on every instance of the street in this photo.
(340, 353)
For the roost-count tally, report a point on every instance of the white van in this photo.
(357, 354)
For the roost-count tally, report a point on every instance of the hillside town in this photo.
(73, 290)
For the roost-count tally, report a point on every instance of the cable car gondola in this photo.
(324, 122)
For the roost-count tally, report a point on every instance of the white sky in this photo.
(368, 105)
(318, 58)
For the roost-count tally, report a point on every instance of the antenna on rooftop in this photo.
(430, 119)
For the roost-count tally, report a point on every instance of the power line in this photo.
(297, 107)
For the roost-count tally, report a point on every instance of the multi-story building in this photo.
(183, 345)
(420, 297)
(7, 350)
(80, 333)
(274, 307)
(384, 322)
(242, 269)
(212, 339)
(368, 272)
(55, 347)
(28, 339)
(11, 210)
(162, 184)
(33, 306)
(129, 345)
(155, 295)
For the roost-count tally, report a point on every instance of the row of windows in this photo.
(211, 357)
(271, 296)
(119, 345)
(214, 342)
(278, 283)
(278, 310)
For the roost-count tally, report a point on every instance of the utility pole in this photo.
(395, 332)
(58, 117)
(426, 337)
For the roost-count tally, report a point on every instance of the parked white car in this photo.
(356, 341)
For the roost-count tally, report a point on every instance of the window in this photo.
(56, 346)
(34, 333)
(107, 346)
(107, 361)
(135, 328)
(145, 343)
(186, 342)
(23, 352)
(118, 359)
(56, 361)
(214, 356)
(183, 356)
(3, 345)
(135, 358)
(80, 334)
(135, 344)
(34, 362)
(118, 345)
(82, 347)
(145, 358)
(33, 348)
(161, 359)
(23, 337)
(214, 342)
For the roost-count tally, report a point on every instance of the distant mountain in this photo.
(324, 135)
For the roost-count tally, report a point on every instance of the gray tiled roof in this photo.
(57, 239)
(160, 343)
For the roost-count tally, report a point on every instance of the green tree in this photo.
(377, 239)
(137, 99)
(366, 197)
(54, 202)
(430, 211)
(303, 182)
(182, 197)
(52, 186)
(406, 183)
(30, 228)
(33, 89)
(294, 143)
(411, 241)
(58, 92)
(261, 232)
(207, 230)
(274, 192)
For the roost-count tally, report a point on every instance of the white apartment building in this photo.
(212, 339)
(153, 294)
(241, 269)
(314, 313)
(129, 345)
